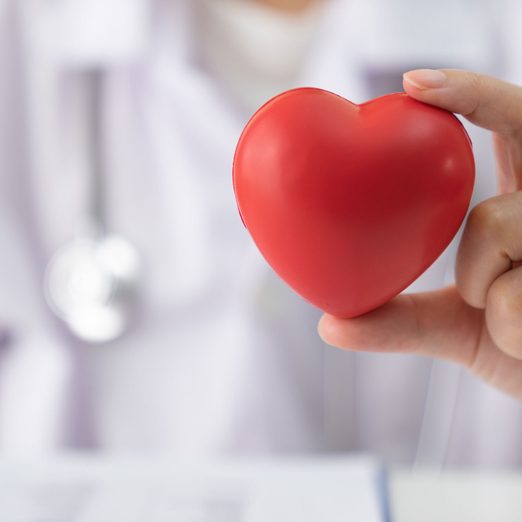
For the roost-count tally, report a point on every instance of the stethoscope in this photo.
(91, 283)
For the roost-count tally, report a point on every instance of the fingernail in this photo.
(426, 79)
(320, 327)
(323, 328)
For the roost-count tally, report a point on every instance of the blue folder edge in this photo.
(383, 488)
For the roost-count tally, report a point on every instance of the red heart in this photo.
(349, 203)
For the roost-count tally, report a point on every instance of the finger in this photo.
(484, 100)
(508, 153)
(438, 324)
(498, 368)
(504, 312)
(490, 244)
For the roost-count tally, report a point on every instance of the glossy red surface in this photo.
(349, 203)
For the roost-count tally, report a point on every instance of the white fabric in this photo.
(116, 33)
(254, 51)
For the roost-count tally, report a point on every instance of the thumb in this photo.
(485, 101)
(438, 324)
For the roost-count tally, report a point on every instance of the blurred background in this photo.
(136, 315)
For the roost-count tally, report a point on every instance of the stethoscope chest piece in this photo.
(92, 284)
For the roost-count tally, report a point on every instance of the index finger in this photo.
(437, 324)
(485, 101)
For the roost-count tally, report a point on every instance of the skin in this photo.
(288, 5)
(478, 322)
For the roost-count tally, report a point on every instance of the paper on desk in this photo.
(93, 490)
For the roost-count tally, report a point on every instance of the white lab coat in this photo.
(223, 357)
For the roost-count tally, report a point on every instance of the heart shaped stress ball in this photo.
(349, 203)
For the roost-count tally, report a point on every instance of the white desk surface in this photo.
(455, 496)
(89, 488)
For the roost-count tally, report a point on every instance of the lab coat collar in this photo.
(335, 63)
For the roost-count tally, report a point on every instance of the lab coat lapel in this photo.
(52, 173)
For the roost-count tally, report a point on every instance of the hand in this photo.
(478, 322)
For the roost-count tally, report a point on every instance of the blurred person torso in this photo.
(222, 357)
